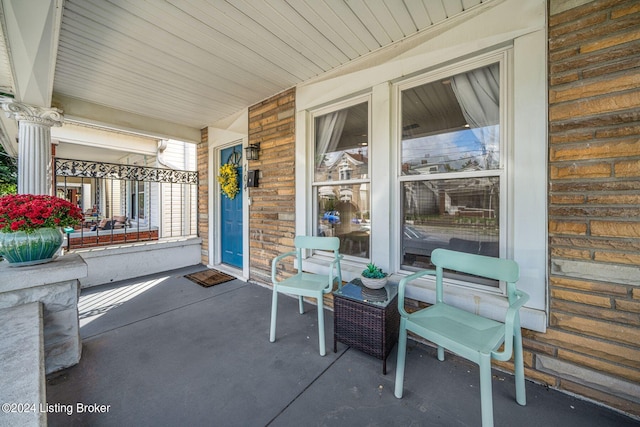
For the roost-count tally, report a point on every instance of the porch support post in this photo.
(35, 171)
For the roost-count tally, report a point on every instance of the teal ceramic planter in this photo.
(39, 247)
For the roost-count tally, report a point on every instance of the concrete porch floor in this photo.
(164, 351)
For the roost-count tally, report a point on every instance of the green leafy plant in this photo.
(8, 173)
(373, 272)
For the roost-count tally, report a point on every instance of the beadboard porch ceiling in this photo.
(194, 62)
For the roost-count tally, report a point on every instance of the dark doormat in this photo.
(209, 277)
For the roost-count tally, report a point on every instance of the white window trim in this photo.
(527, 171)
(313, 113)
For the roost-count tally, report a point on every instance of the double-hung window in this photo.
(452, 174)
(447, 149)
(341, 176)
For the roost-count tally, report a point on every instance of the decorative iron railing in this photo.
(127, 203)
(91, 169)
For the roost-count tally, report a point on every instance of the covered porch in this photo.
(162, 350)
(239, 74)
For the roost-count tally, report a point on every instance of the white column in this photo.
(35, 171)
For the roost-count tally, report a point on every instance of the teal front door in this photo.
(231, 212)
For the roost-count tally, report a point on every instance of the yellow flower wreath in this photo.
(228, 179)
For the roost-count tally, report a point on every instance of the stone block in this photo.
(581, 298)
(613, 40)
(582, 171)
(620, 131)
(617, 257)
(614, 199)
(567, 227)
(558, 79)
(596, 271)
(626, 305)
(597, 328)
(625, 10)
(22, 363)
(577, 24)
(610, 119)
(567, 199)
(570, 137)
(55, 296)
(611, 67)
(63, 354)
(627, 168)
(570, 253)
(594, 312)
(561, 11)
(596, 106)
(596, 88)
(593, 151)
(595, 211)
(591, 186)
(533, 346)
(589, 377)
(630, 229)
(596, 347)
(60, 325)
(589, 286)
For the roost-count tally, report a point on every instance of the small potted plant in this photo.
(373, 277)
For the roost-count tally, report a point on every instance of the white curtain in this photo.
(478, 93)
(328, 132)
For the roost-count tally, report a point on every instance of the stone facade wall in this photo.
(592, 347)
(203, 193)
(272, 209)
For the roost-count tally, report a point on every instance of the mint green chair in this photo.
(471, 336)
(307, 284)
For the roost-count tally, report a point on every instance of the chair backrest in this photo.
(320, 243)
(478, 265)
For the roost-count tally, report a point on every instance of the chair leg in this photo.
(440, 353)
(321, 325)
(518, 362)
(301, 304)
(486, 396)
(274, 312)
(400, 360)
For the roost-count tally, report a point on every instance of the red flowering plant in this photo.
(28, 212)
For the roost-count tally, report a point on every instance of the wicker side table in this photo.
(365, 319)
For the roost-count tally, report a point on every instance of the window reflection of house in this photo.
(450, 145)
(350, 203)
(341, 176)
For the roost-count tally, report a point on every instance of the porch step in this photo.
(22, 383)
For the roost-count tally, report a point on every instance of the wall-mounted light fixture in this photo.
(252, 151)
